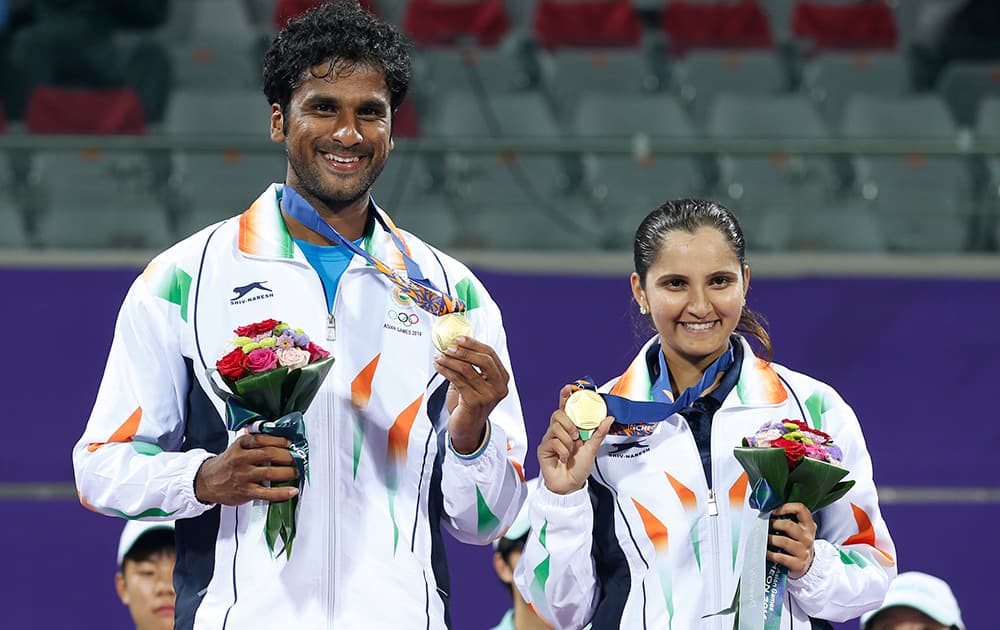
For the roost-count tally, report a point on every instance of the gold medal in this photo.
(447, 328)
(587, 410)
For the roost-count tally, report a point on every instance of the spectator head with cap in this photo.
(507, 551)
(916, 601)
(144, 580)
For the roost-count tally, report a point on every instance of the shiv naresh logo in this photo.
(622, 449)
(251, 293)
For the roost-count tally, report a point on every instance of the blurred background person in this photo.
(916, 601)
(145, 577)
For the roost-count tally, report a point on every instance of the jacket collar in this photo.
(263, 234)
(758, 384)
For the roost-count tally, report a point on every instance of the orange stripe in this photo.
(656, 530)
(684, 493)
(773, 391)
(124, 433)
(399, 434)
(621, 386)
(738, 491)
(249, 239)
(395, 230)
(361, 386)
(519, 469)
(84, 503)
(866, 533)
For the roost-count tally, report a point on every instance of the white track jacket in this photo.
(368, 551)
(647, 544)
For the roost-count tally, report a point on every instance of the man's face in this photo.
(147, 588)
(337, 132)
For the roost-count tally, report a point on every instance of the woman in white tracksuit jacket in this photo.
(644, 525)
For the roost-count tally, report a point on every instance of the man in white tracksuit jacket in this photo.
(402, 439)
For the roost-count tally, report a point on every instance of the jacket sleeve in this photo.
(556, 573)
(124, 463)
(484, 491)
(854, 557)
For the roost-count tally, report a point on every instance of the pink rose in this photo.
(261, 360)
(293, 357)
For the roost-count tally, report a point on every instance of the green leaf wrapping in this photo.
(272, 397)
(813, 483)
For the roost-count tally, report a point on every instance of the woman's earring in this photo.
(642, 309)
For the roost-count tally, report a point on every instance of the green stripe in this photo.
(145, 448)
(488, 521)
(149, 512)
(542, 573)
(695, 543)
(392, 515)
(468, 293)
(174, 286)
(816, 404)
(850, 556)
(359, 437)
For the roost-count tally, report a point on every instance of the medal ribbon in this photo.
(412, 283)
(626, 411)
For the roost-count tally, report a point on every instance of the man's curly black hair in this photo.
(340, 33)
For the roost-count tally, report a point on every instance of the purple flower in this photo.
(835, 452)
(286, 340)
(301, 340)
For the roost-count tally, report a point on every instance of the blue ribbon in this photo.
(626, 411)
(414, 283)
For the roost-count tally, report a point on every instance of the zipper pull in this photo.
(331, 328)
(713, 508)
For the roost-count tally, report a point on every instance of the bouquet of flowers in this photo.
(788, 461)
(273, 371)
(785, 461)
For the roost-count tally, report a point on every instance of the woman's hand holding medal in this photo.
(568, 449)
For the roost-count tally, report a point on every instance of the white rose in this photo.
(293, 357)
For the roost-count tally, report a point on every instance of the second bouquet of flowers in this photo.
(273, 372)
(785, 461)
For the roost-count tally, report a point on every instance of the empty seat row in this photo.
(557, 23)
(918, 201)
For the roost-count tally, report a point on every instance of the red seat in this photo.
(285, 10)
(443, 22)
(724, 25)
(866, 25)
(85, 111)
(406, 124)
(586, 23)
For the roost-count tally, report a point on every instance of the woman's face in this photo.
(694, 292)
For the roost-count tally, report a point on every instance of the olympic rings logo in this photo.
(406, 319)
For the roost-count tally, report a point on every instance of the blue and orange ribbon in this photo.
(413, 284)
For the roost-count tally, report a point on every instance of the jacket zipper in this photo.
(331, 327)
(333, 440)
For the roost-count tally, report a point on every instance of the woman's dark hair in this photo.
(689, 215)
(344, 36)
